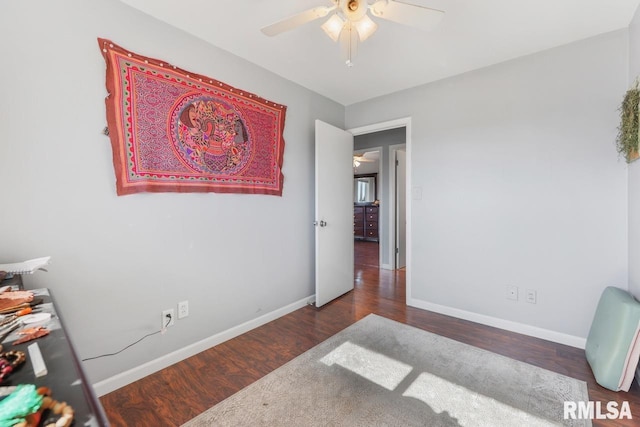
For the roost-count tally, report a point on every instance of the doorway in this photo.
(394, 200)
(367, 175)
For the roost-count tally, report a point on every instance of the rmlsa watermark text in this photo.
(597, 411)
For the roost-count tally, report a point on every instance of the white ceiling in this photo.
(473, 34)
(371, 165)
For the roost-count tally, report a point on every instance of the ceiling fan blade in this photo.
(423, 18)
(363, 158)
(297, 20)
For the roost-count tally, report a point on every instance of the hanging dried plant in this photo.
(628, 136)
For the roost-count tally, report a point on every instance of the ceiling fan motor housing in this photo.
(353, 10)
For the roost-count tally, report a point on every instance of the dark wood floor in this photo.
(176, 394)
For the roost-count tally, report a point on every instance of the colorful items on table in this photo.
(27, 406)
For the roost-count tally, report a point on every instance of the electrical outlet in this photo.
(183, 309)
(168, 318)
(531, 296)
(512, 293)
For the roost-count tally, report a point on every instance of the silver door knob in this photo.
(323, 223)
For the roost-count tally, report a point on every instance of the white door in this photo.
(334, 212)
(401, 208)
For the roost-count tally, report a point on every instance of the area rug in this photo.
(378, 372)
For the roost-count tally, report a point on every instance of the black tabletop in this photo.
(65, 378)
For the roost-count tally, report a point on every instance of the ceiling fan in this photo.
(369, 156)
(350, 23)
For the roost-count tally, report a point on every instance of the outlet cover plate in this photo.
(531, 296)
(165, 321)
(512, 293)
(183, 309)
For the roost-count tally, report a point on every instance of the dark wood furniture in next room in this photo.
(365, 222)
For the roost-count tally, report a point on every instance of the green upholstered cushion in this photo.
(612, 347)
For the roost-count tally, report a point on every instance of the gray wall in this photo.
(117, 262)
(382, 139)
(634, 168)
(521, 185)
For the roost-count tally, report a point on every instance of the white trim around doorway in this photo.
(392, 124)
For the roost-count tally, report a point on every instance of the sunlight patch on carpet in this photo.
(382, 372)
(375, 367)
(468, 407)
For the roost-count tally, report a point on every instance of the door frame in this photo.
(393, 201)
(392, 124)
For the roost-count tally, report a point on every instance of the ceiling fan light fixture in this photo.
(351, 24)
(333, 27)
(365, 27)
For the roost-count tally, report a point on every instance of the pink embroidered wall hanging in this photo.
(176, 131)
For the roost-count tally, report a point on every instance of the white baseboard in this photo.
(386, 266)
(508, 325)
(120, 380)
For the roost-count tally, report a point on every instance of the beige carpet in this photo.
(379, 372)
